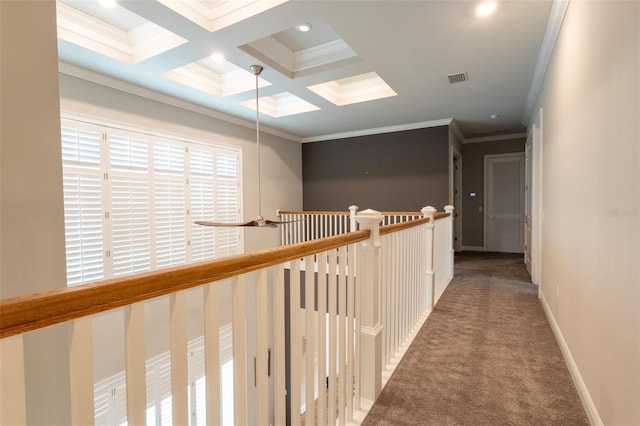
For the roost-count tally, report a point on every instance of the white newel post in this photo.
(368, 278)
(449, 243)
(430, 212)
(353, 224)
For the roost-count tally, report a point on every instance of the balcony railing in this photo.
(318, 326)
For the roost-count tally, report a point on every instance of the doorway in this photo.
(455, 197)
(504, 202)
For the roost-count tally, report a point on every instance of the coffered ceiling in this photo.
(362, 65)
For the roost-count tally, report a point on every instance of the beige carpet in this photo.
(485, 356)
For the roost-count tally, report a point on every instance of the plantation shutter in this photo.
(227, 207)
(201, 185)
(130, 204)
(169, 203)
(83, 204)
(110, 401)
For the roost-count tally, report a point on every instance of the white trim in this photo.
(554, 24)
(583, 392)
(113, 83)
(472, 248)
(380, 130)
(495, 138)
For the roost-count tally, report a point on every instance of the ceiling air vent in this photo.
(458, 78)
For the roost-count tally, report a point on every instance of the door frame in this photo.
(535, 138)
(520, 155)
(456, 199)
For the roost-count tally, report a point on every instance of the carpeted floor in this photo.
(485, 356)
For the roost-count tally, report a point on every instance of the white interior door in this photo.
(504, 203)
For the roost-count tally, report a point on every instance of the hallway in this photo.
(485, 356)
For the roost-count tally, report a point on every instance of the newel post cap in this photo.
(429, 212)
(370, 219)
(449, 208)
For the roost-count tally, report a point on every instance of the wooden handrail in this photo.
(31, 312)
(439, 215)
(343, 213)
(387, 229)
(401, 213)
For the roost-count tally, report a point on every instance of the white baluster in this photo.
(135, 364)
(342, 336)
(351, 279)
(212, 352)
(238, 325)
(13, 402)
(179, 369)
(322, 338)
(295, 341)
(262, 348)
(333, 350)
(81, 372)
(309, 309)
(279, 356)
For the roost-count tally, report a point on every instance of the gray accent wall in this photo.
(400, 171)
(473, 181)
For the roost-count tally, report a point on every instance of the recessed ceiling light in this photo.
(108, 3)
(304, 27)
(494, 116)
(217, 57)
(486, 8)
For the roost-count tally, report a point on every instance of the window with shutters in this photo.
(131, 200)
(110, 395)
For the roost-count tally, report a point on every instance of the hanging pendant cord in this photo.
(258, 146)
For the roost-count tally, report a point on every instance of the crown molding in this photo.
(113, 83)
(496, 138)
(379, 130)
(554, 24)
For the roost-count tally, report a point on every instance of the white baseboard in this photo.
(583, 392)
(472, 248)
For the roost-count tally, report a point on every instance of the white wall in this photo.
(32, 221)
(591, 203)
